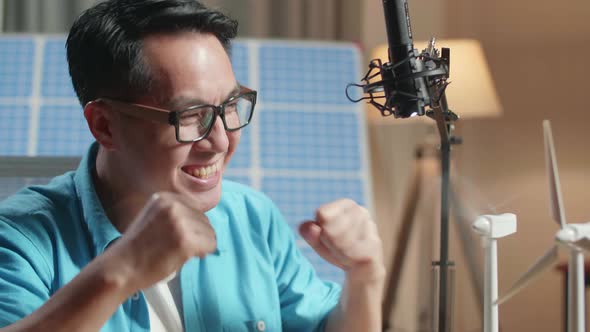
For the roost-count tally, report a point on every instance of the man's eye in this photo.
(188, 120)
(231, 107)
(200, 118)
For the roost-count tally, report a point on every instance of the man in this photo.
(145, 235)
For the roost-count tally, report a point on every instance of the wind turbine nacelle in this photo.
(495, 226)
(573, 232)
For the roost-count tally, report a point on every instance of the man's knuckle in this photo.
(348, 202)
(321, 214)
(365, 213)
(330, 236)
(325, 214)
(185, 245)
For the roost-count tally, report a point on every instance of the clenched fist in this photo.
(344, 234)
(166, 233)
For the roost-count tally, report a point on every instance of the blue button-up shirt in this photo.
(49, 233)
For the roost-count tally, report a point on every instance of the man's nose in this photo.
(217, 138)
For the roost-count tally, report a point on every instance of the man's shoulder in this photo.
(33, 219)
(244, 202)
(236, 191)
(36, 205)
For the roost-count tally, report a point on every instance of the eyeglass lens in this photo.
(196, 123)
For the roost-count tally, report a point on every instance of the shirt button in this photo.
(261, 326)
(135, 296)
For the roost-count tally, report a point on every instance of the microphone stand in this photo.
(445, 126)
(435, 71)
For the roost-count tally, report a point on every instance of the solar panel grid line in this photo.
(294, 205)
(63, 101)
(15, 100)
(238, 172)
(310, 164)
(299, 198)
(44, 100)
(254, 74)
(14, 122)
(303, 44)
(56, 79)
(297, 183)
(311, 174)
(36, 95)
(310, 108)
(239, 58)
(16, 52)
(240, 62)
(365, 159)
(313, 75)
(312, 141)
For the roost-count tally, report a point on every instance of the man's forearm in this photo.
(84, 304)
(359, 308)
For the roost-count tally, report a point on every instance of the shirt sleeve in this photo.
(305, 299)
(22, 287)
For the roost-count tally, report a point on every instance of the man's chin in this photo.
(204, 201)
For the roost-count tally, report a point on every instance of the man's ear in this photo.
(100, 122)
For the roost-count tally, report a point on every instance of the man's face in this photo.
(189, 69)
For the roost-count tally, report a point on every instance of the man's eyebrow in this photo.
(178, 102)
(183, 101)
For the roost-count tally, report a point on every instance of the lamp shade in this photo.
(471, 93)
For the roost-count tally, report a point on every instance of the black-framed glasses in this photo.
(196, 122)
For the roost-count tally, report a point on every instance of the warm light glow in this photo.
(471, 93)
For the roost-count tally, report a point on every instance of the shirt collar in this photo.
(102, 231)
(220, 224)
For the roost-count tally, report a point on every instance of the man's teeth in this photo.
(205, 172)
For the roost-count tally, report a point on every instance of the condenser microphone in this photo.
(405, 90)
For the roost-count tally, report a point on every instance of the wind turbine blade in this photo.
(545, 262)
(583, 243)
(557, 210)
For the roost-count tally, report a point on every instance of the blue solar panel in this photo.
(16, 66)
(14, 129)
(304, 148)
(291, 73)
(310, 140)
(298, 198)
(243, 156)
(240, 61)
(56, 80)
(63, 131)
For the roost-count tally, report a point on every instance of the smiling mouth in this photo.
(204, 172)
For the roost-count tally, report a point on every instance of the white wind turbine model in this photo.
(491, 228)
(573, 237)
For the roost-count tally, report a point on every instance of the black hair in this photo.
(104, 46)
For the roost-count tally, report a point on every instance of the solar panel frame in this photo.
(307, 143)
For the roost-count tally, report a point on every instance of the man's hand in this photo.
(345, 235)
(166, 233)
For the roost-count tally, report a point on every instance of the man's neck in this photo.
(120, 203)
